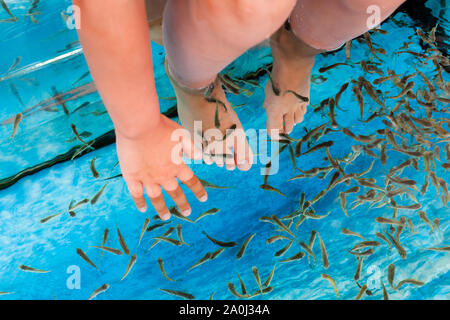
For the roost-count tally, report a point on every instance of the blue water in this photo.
(43, 135)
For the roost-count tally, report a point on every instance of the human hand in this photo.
(153, 161)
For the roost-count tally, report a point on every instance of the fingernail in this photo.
(165, 216)
(143, 209)
(186, 212)
(204, 198)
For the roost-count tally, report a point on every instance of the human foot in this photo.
(288, 96)
(222, 134)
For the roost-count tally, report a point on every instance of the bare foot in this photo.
(224, 141)
(288, 97)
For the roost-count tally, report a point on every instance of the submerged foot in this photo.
(287, 97)
(210, 117)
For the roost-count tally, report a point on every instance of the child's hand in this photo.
(151, 162)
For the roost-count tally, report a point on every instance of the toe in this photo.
(274, 125)
(299, 115)
(288, 122)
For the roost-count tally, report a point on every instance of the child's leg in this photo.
(201, 37)
(155, 9)
(318, 25)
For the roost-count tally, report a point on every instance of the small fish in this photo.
(370, 44)
(348, 47)
(332, 114)
(425, 219)
(73, 207)
(385, 293)
(371, 91)
(391, 275)
(206, 213)
(234, 292)
(241, 251)
(97, 196)
(174, 211)
(323, 251)
(179, 294)
(308, 250)
(30, 269)
(360, 99)
(361, 292)
(298, 96)
(283, 250)
(343, 202)
(122, 242)
(205, 258)
(94, 171)
(161, 267)
(358, 269)
(144, 227)
(389, 221)
(270, 188)
(276, 238)
(117, 252)
(243, 288)
(404, 91)
(180, 235)
(209, 185)
(383, 237)
(50, 217)
(157, 225)
(332, 282)
(311, 215)
(167, 233)
(5, 7)
(325, 144)
(410, 281)
(84, 75)
(398, 246)
(442, 249)
(216, 117)
(351, 233)
(17, 120)
(219, 243)
(282, 225)
(86, 258)
(170, 240)
(257, 278)
(341, 91)
(77, 135)
(216, 253)
(99, 290)
(325, 69)
(275, 88)
(269, 278)
(365, 244)
(130, 265)
(364, 253)
(295, 257)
